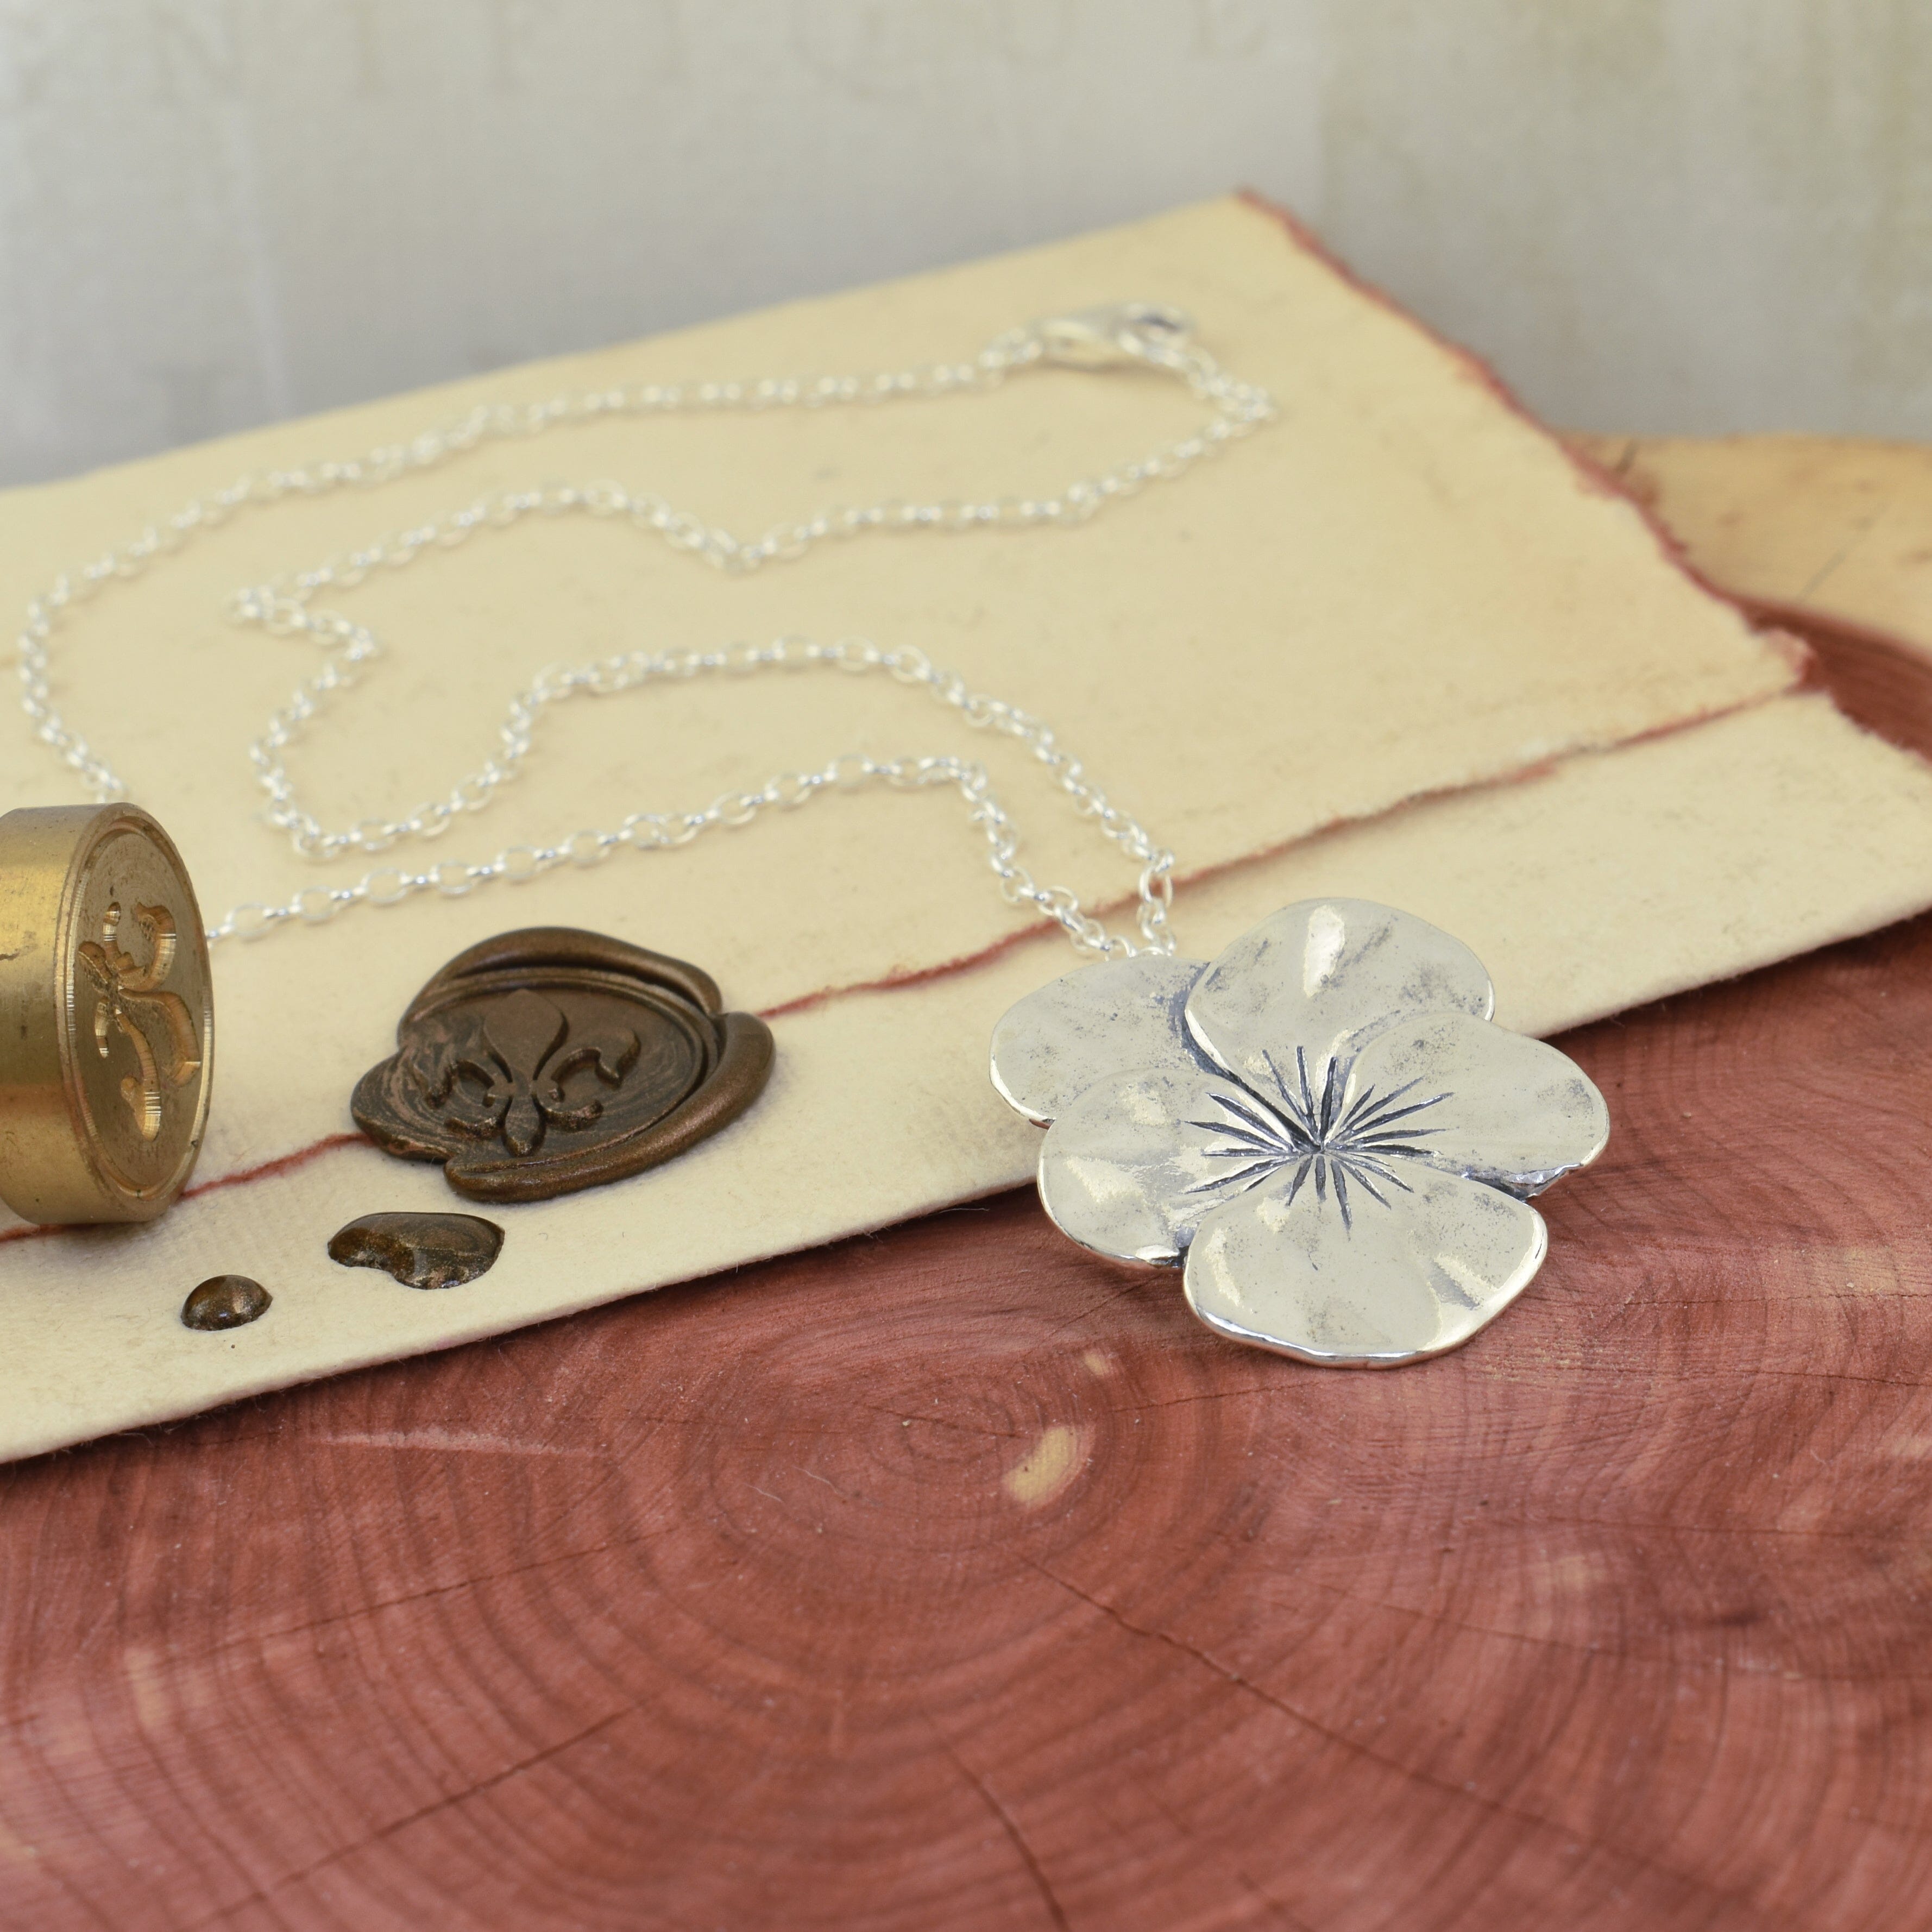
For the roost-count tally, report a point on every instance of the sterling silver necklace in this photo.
(1321, 1128)
(1122, 335)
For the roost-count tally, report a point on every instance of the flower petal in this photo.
(1324, 976)
(1133, 1165)
(1475, 1100)
(1392, 1280)
(1102, 1020)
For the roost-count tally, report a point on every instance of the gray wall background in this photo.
(1697, 215)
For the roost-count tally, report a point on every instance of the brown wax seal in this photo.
(226, 1301)
(549, 1060)
(420, 1250)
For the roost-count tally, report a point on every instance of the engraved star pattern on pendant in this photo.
(1321, 1138)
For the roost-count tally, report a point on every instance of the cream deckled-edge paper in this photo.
(1401, 590)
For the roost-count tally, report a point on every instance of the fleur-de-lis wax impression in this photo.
(548, 1060)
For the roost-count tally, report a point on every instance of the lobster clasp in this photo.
(1112, 335)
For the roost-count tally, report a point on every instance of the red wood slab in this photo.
(956, 1580)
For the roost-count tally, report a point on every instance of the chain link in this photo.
(1123, 334)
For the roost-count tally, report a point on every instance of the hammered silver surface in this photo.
(1474, 1099)
(1115, 1018)
(1132, 1166)
(1325, 976)
(1347, 1278)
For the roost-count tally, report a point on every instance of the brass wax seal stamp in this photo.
(549, 1060)
(106, 1015)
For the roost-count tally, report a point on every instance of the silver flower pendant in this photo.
(1323, 1127)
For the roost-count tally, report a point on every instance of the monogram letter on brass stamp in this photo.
(548, 1060)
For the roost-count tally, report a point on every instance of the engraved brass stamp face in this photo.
(106, 1015)
(548, 1060)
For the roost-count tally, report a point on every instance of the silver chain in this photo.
(1122, 335)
